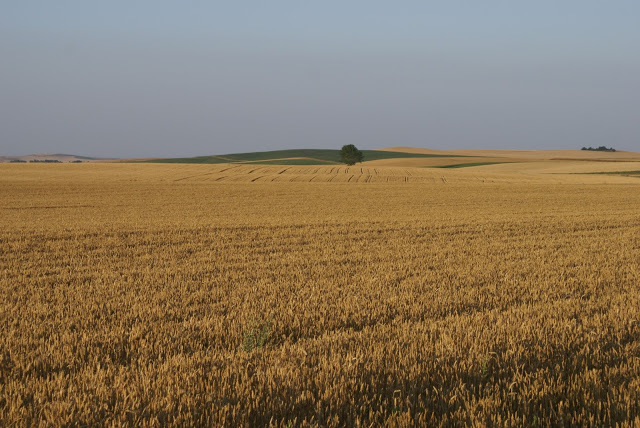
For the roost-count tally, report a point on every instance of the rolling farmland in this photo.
(320, 295)
(300, 157)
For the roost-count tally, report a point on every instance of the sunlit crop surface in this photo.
(227, 295)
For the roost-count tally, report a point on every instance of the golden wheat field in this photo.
(240, 295)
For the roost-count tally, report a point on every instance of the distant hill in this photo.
(50, 158)
(293, 157)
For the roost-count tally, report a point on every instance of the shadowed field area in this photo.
(256, 295)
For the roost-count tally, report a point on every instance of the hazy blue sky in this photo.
(169, 78)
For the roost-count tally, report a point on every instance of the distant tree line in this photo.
(600, 149)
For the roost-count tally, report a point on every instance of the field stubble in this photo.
(127, 292)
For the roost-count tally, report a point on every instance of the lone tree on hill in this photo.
(350, 154)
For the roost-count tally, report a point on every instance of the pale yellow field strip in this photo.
(430, 162)
(217, 173)
(528, 154)
(274, 160)
(552, 154)
(561, 167)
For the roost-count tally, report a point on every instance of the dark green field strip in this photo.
(76, 156)
(625, 173)
(370, 155)
(319, 154)
(312, 157)
(466, 165)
